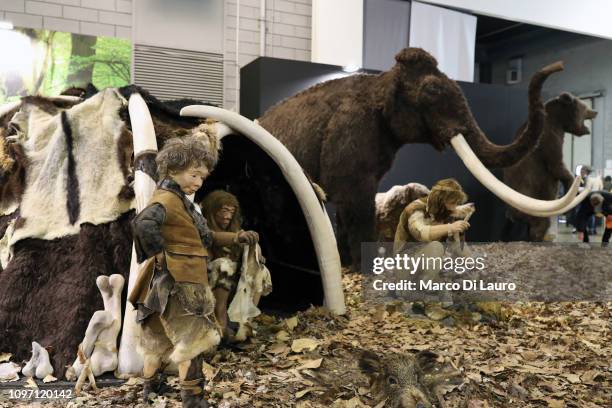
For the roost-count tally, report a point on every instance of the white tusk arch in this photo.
(130, 361)
(318, 221)
(505, 193)
(222, 130)
(544, 214)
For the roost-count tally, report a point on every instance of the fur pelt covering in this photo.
(391, 203)
(76, 172)
(41, 297)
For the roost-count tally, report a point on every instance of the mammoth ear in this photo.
(566, 98)
(416, 57)
(370, 363)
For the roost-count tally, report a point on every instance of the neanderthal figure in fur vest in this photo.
(539, 173)
(172, 295)
(345, 133)
(229, 265)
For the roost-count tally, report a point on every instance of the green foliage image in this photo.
(46, 62)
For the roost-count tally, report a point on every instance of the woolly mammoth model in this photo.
(345, 133)
(538, 174)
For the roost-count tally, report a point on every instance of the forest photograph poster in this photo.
(43, 62)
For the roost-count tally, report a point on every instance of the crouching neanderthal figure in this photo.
(437, 217)
(172, 295)
(440, 216)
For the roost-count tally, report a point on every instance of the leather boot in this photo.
(150, 385)
(192, 387)
(156, 384)
(192, 394)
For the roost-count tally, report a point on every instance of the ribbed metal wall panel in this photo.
(173, 74)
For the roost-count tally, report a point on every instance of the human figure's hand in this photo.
(459, 226)
(248, 237)
(159, 258)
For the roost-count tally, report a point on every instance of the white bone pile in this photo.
(98, 350)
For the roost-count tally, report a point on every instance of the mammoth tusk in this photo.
(318, 223)
(544, 214)
(222, 130)
(142, 124)
(130, 360)
(505, 193)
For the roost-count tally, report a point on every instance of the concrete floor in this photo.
(564, 233)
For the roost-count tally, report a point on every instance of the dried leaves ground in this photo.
(542, 355)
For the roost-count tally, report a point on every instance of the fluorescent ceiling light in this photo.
(6, 25)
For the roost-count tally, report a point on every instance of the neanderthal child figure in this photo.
(175, 305)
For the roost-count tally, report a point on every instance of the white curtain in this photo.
(337, 32)
(448, 35)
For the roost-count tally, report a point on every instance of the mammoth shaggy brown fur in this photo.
(47, 290)
(538, 174)
(389, 207)
(345, 133)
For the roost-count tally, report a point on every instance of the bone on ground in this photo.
(97, 352)
(39, 365)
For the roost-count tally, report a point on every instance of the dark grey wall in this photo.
(588, 69)
(267, 81)
(499, 110)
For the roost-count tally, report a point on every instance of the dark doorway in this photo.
(270, 207)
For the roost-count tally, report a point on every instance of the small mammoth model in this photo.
(390, 204)
(345, 134)
(539, 173)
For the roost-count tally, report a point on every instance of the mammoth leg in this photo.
(343, 239)
(358, 223)
(538, 228)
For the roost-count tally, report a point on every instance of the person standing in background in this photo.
(607, 184)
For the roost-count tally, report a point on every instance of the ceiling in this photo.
(490, 30)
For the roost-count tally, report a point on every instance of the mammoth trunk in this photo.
(493, 155)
